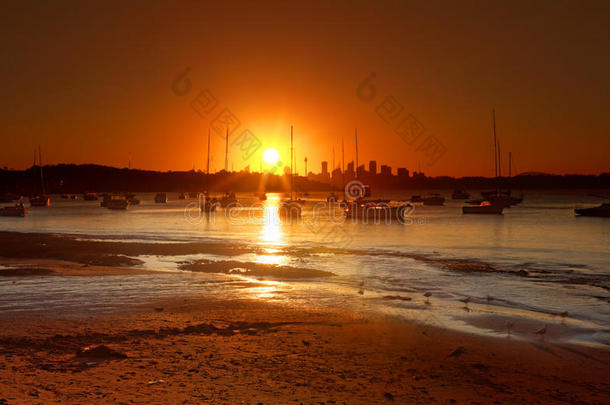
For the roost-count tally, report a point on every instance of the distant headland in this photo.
(72, 178)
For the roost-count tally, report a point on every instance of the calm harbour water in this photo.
(378, 266)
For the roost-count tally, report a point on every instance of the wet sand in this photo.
(204, 350)
(200, 350)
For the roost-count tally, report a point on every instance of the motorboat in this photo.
(131, 198)
(18, 210)
(117, 202)
(40, 201)
(90, 197)
(600, 211)
(161, 198)
(484, 207)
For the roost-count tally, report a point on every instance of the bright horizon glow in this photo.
(271, 156)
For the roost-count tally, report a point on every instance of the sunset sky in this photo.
(93, 83)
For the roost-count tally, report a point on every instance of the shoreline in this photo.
(234, 268)
(193, 347)
(246, 351)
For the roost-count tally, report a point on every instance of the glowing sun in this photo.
(271, 156)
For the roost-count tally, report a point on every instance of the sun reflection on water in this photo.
(264, 289)
(271, 233)
(278, 260)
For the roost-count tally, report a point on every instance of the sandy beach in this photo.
(190, 350)
(193, 349)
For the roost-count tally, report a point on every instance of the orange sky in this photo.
(93, 83)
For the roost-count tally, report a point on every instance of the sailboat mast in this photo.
(227, 151)
(495, 145)
(499, 161)
(41, 176)
(207, 167)
(356, 138)
(208, 161)
(510, 163)
(343, 165)
(291, 161)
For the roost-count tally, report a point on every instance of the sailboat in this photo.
(497, 196)
(291, 207)
(207, 204)
(40, 200)
(366, 189)
(228, 197)
(493, 203)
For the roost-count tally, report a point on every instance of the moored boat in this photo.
(161, 198)
(117, 202)
(90, 197)
(132, 199)
(484, 207)
(600, 211)
(40, 201)
(505, 199)
(18, 210)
